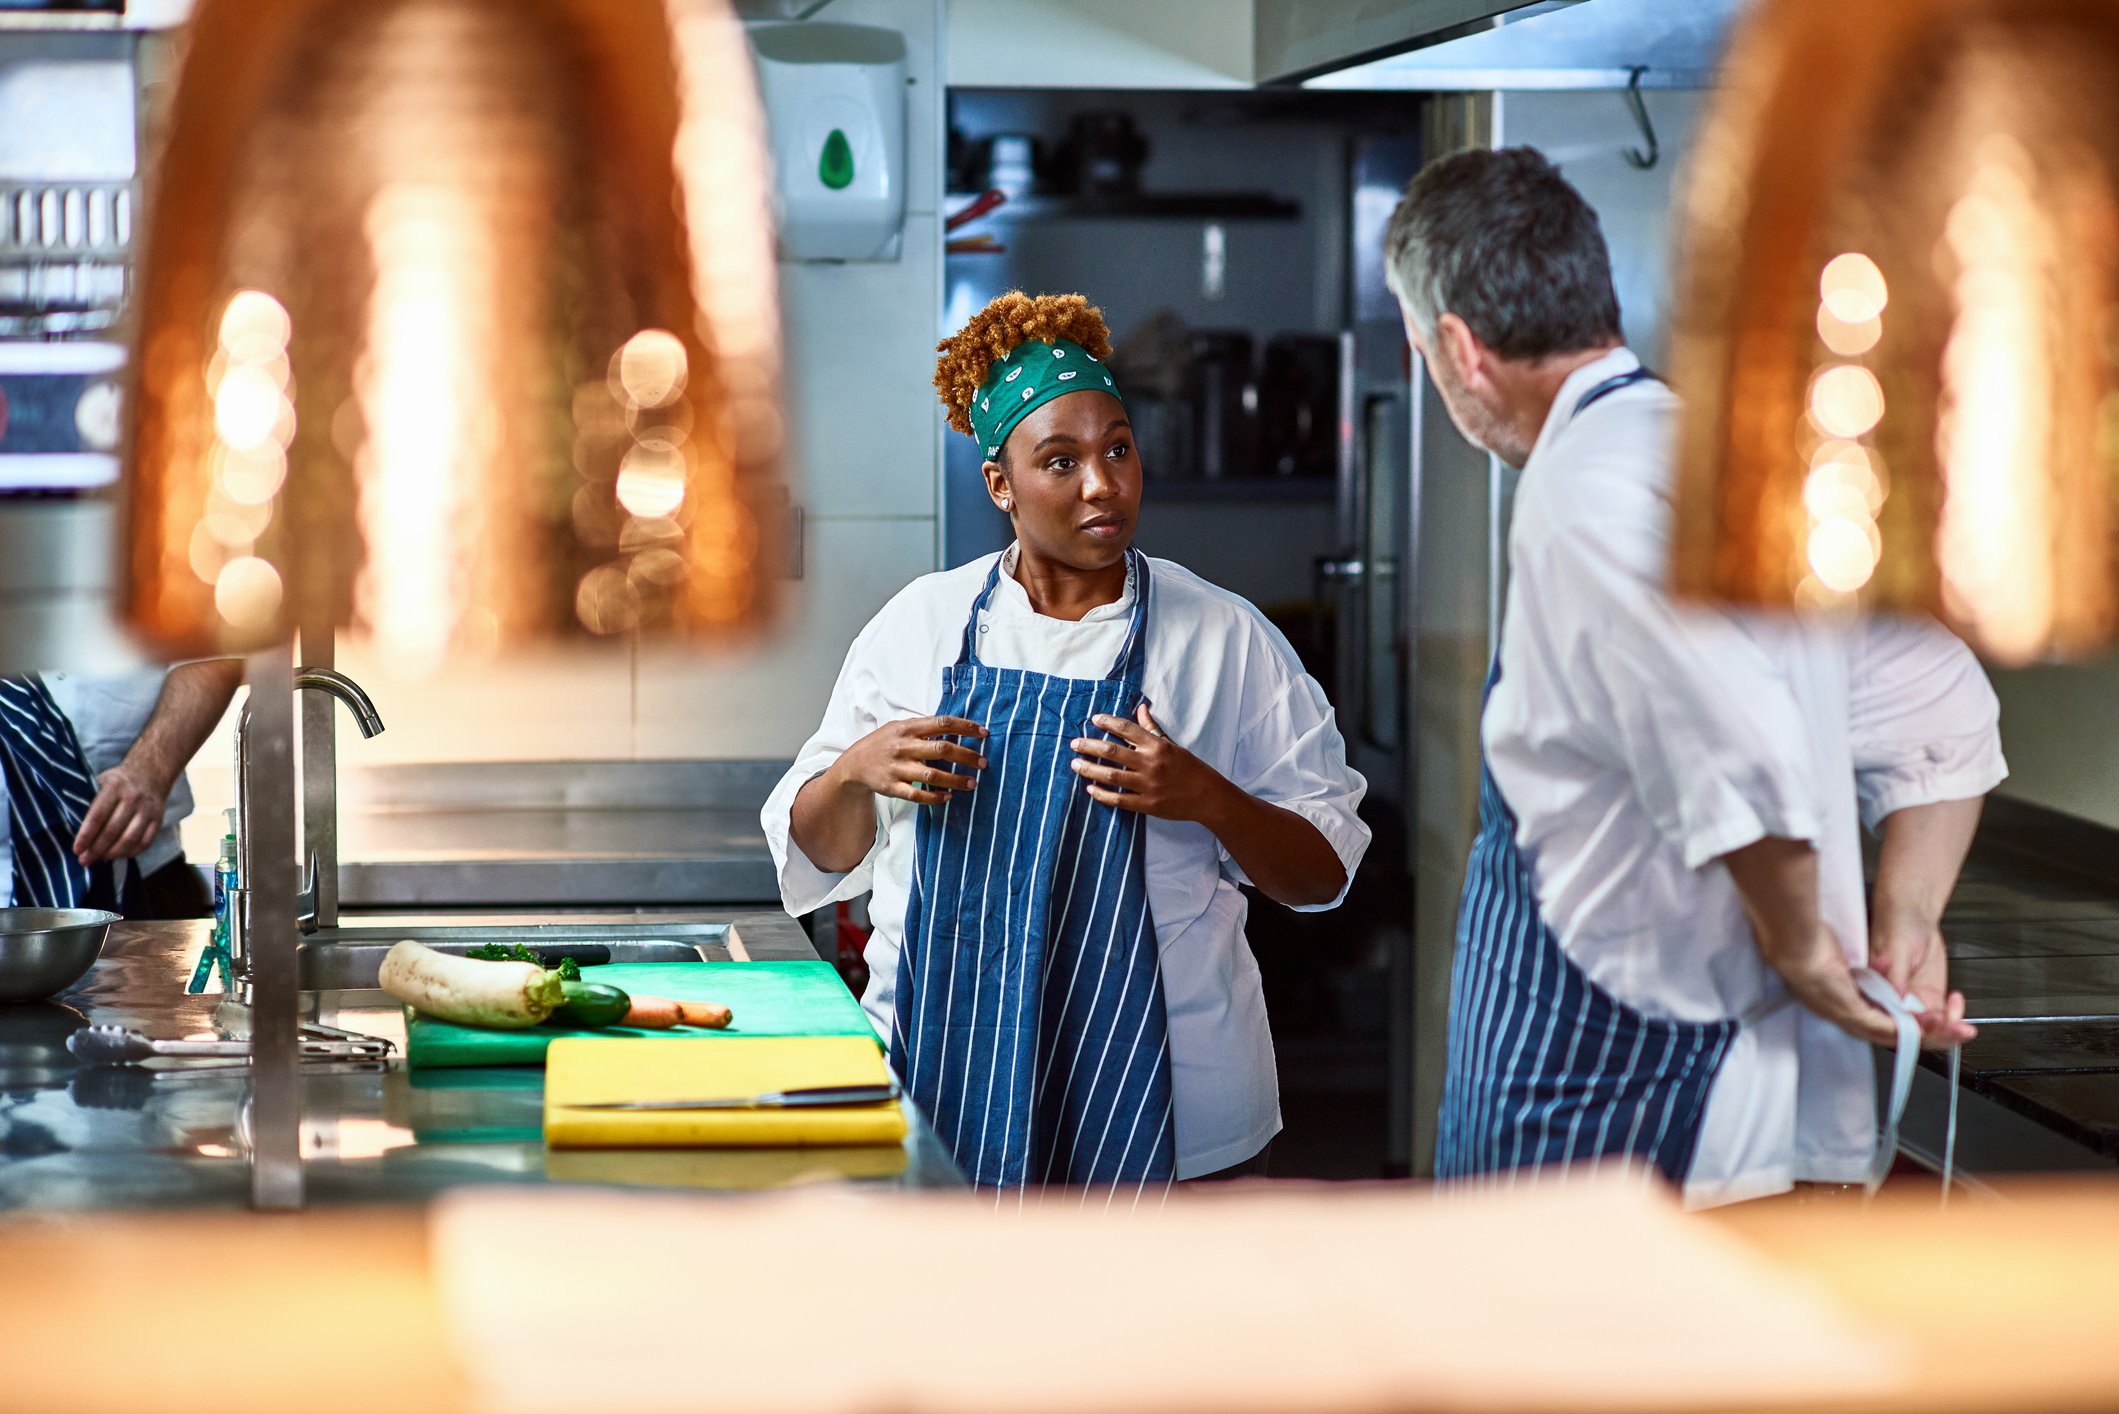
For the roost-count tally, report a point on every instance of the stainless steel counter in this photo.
(75, 1137)
(2033, 931)
(579, 834)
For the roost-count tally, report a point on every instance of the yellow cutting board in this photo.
(586, 1069)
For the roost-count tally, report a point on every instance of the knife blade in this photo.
(771, 1100)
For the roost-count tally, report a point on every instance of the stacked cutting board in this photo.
(794, 1028)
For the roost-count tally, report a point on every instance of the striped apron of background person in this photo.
(1030, 1025)
(1545, 1067)
(49, 790)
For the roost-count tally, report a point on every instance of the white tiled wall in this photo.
(866, 436)
(862, 413)
(866, 432)
(767, 703)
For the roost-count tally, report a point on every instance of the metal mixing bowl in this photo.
(43, 951)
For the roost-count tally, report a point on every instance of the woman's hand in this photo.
(905, 760)
(1285, 855)
(833, 820)
(1146, 772)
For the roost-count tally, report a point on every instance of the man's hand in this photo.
(1822, 981)
(125, 816)
(1146, 772)
(131, 796)
(1907, 948)
(1777, 880)
(1924, 847)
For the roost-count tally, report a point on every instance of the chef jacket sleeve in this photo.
(1692, 703)
(1923, 722)
(851, 714)
(1291, 755)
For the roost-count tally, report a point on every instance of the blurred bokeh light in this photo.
(458, 328)
(1898, 325)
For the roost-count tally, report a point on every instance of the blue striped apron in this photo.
(49, 790)
(1029, 1022)
(1545, 1066)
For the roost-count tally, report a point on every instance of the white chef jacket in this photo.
(1221, 682)
(1638, 741)
(108, 712)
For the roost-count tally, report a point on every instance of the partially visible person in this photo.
(94, 782)
(1665, 954)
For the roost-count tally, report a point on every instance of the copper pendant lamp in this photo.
(458, 328)
(1898, 319)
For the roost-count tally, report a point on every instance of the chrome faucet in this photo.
(346, 690)
(362, 708)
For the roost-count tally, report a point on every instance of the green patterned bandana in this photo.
(1033, 374)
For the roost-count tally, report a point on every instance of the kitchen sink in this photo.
(351, 958)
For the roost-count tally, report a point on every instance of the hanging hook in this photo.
(1636, 158)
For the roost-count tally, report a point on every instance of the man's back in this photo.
(1637, 741)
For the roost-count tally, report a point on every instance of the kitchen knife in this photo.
(771, 1100)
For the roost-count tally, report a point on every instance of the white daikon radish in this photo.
(507, 995)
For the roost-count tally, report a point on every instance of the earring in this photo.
(1007, 505)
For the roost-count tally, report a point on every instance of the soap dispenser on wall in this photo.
(835, 106)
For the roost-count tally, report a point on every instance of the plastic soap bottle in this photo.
(217, 952)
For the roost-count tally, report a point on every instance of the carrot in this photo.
(653, 1013)
(712, 1015)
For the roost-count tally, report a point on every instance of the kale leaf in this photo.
(568, 969)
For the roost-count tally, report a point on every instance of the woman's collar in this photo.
(1011, 591)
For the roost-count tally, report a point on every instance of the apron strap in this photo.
(1597, 394)
(969, 653)
(1905, 1058)
(1132, 655)
(1612, 385)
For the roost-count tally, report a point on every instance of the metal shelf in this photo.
(136, 17)
(1147, 206)
(48, 21)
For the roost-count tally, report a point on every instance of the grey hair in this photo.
(1500, 239)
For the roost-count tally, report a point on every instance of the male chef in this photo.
(1663, 929)
(92, 786)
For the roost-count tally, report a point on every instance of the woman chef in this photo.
(1053, 766)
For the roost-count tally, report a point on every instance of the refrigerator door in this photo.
(1367, 592)
(1364, 589)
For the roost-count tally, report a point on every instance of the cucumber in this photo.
(591, 1004)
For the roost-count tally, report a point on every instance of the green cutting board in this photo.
(767, 999)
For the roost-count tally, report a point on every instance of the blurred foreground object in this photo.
(1897, 319)
(458, 327)
(1601, 1294)
(1349, 1300)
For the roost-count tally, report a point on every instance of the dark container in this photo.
(1225, 402)
(1298, 406)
